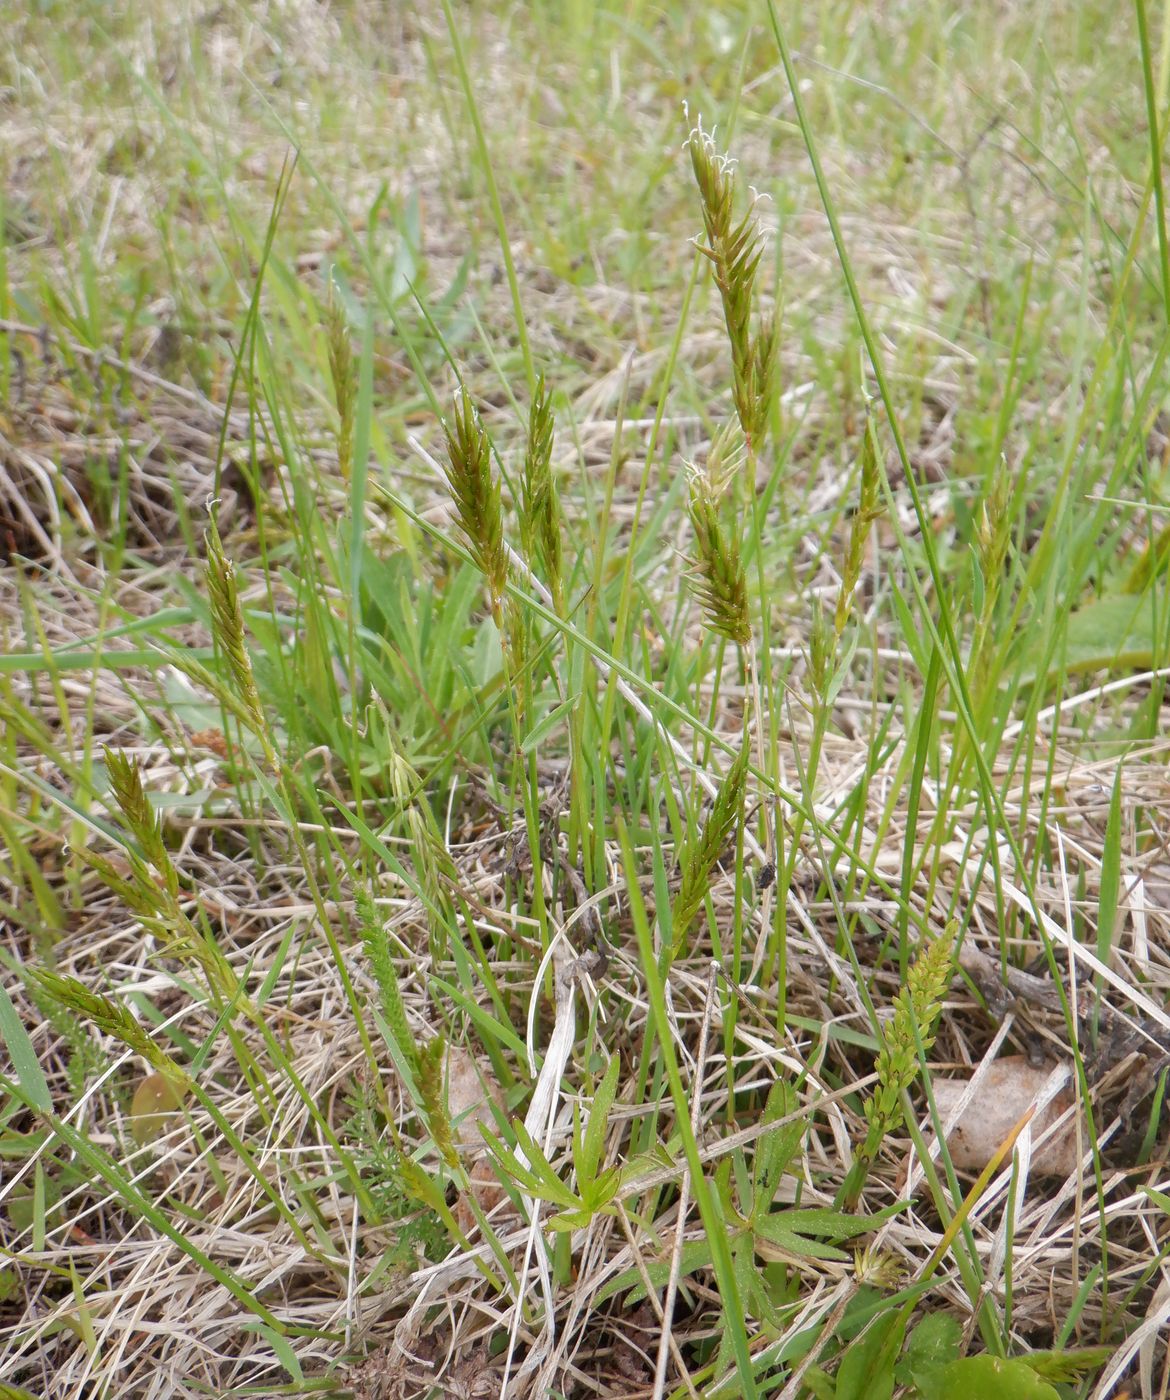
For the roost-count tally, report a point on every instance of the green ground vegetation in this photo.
(584, 617)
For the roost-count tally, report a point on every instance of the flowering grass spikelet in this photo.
(734, 248)
(700, 854)
(540, 508)
(717, 572)
(476, 494)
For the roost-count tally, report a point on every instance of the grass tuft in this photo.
(401, 821)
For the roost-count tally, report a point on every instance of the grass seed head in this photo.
(868, 510)
(717, 572)
(725, 460)
(377, 949)
(227, 626)
(433, 1091)
(994, 525)
(701, 854)
(476, 494)
(107, 1016)
(734, 248)
(540, 507)
(126, 783)
(432, 860)
(911, 1027)
(343, 372)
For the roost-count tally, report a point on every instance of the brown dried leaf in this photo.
(154, 1110)
(471, 1089)
(1008, 1088)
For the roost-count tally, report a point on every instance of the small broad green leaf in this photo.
(281, 1346)
(24, 1057)
(935, 1341)
(775, 1238)
(595, 1198)
(33, 1202)
(696, 1255)
(1114, 633)
(594, 1140)
(823, 1220)
(539, 1177)
(660, 1157)
(791, 1230)
(867, 1368)
(508, 1162)
(776, 1149)
(978, 1377)
(1159, 1196)
(820, 1384)
(567, 1220)
(603, 1189)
